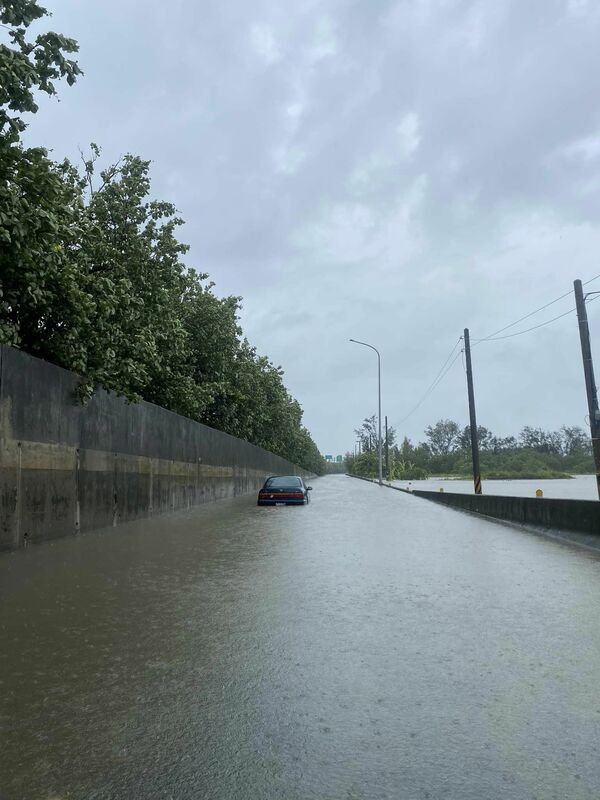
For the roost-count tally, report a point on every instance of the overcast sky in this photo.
(387, 170)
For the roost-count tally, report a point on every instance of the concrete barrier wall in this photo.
(567, 515)
(66, 468)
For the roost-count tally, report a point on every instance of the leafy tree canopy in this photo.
(368, 435)
(28, 64)
(92, 275)
(443, 437)
(535, 453)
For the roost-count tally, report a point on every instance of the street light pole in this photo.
(379, 398)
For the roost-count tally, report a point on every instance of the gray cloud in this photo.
(391, 171)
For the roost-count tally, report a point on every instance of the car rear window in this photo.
(276, 483)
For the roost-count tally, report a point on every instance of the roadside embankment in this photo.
(67, 467)
(542, 514)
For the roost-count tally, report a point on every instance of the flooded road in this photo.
(579, 487)
(370, 645)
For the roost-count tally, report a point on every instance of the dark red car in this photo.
(280, 490)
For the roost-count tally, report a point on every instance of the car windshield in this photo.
(274, 483)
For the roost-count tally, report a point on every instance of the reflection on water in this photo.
(369, 645)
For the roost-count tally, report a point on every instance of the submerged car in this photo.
(280, 490)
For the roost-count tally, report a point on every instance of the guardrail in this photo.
(582, 516)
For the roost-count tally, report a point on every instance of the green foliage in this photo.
(368, 435)
(94, 280)
(407, 471)
(534, 454)
(447, 452)
(443, 437)
(519, 463)
(29, 65)
(365, 465)
(130, 262)
(41, 298)
(92, 276)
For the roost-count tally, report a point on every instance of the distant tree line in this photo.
(92, 276)
(534, 453)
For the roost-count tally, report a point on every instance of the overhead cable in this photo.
(442, 372)
(535, 327)
(531, 314)
(527, 330)
(493, 337)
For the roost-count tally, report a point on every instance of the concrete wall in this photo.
(66, 468)
(567, 515)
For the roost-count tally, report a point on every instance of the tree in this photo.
(406, 450)
(131, 263)
(42, 300)
(575, 440)
(40, 201)
(541, 440)
(368, 434)
(389, 440)
(485, 438)
(502, 443)
(443, 437)
(537, 453)
(92, 276)
(29, 65)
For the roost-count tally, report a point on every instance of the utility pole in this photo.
(588, 371)
(387, 453)
(472, 417)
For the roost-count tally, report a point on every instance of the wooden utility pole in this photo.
(472, 416)
(588, 371)
(387, 453)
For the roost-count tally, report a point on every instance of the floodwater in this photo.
(369, 645)
(580, 487)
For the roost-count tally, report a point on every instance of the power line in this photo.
(448, 359)
(535, 327)
(431, 388)
(531, 314)
(527, 330)
(446, 367)
(442, 372)
(522, 319)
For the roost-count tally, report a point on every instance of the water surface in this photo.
(370, 645)
(580, 487)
